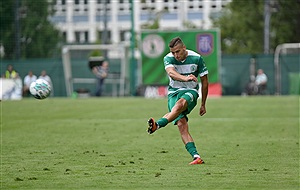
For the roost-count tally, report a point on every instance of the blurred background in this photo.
(235, 37)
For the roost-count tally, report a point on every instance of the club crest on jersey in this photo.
(205, 44)
(193, 68)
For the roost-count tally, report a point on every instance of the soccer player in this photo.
(183, 67)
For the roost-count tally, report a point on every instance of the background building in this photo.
(109, 21)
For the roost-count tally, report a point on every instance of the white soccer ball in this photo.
(40, 89)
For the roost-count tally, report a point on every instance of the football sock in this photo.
(191, 148)
(162, 122)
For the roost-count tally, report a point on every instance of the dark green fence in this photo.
(53, 67)
(236, 69)
(234, 72)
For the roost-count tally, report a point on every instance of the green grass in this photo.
(59, 143)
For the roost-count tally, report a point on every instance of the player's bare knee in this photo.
(180, 106)
(182, 126)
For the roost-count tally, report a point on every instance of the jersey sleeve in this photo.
(168, 61)
(202, 67)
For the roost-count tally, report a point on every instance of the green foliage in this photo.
(153, 22)
(286, 22)
(7, 26)
(95, 53)
(38, 36)
(101, 143)
(189, 25)
(242, 25)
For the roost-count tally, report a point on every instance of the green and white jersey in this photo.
(193, 64)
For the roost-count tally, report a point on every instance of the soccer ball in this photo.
(40, 89)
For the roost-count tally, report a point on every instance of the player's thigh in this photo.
(174, 98)
(172, 101)
(191, 98)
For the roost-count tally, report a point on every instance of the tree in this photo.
(6, 29)
(37, 35)
(242, 25)
(153, 22)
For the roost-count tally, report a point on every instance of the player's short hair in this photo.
(175, 41)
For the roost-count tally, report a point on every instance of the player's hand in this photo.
(202, 110)
(192, 78)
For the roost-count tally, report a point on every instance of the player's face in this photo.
(179, 52)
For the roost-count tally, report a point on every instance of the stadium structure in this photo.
(88, 21)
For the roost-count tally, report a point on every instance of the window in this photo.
(64, 36)
(125, 35)
(195, 5)
(81, 36)
(108, 36)
(86, 36)
(77, 36)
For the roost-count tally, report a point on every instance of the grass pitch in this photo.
(101, 143)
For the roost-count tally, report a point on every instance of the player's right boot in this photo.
(152, 126)
(197, 161)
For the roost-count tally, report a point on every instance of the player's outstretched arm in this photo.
(204, 92)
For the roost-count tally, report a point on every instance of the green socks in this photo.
(191, 148)
(162, 122)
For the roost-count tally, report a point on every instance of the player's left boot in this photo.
(197, 161)
(152, 126)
